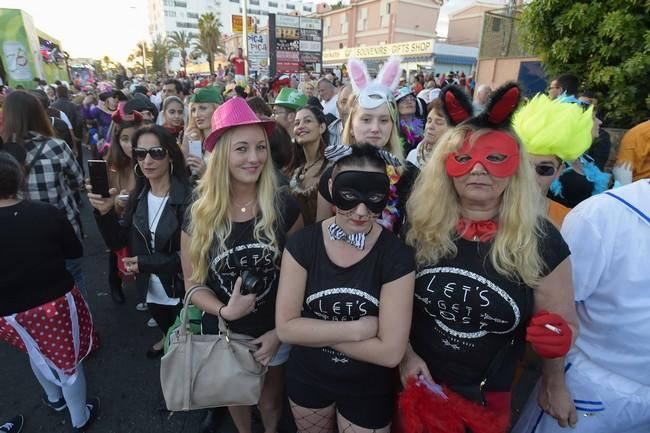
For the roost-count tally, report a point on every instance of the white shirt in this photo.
(412, 157)
(610, 255)
(156, 293)
(330, 106)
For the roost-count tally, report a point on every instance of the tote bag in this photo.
(204, 371)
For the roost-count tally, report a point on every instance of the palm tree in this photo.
(209, 37)
(159, 52)
(181, 41)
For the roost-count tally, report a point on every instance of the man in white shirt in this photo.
(608, 369)
(328, 97)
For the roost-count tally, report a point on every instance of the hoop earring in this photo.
(135, 170)
(171, 168)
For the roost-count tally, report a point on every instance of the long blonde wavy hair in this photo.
(191, 121)
(210, 212)
(394, 144)
(434, 210)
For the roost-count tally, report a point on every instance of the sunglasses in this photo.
(545, 170)
(157, 153)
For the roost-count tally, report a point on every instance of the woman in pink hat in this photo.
(236, 229)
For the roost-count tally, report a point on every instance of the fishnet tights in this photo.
(325, 420)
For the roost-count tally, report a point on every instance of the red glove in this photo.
(547, 342)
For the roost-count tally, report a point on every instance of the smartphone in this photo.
(98, 176)
(195, 148)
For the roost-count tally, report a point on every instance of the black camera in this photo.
(251, 282)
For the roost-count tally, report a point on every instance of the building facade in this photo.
(168, 16)
(465, 24)
(375, 22)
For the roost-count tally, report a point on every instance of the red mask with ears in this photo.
(497, 151)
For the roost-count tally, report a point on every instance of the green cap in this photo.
(290, 98)
(208, 94)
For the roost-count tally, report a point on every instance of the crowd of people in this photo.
(407, 243)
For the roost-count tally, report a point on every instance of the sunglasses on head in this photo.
(545, 169)
(158, 153)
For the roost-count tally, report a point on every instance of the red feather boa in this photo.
(422, 411)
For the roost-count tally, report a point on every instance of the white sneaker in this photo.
(142, 306)
(152, 323)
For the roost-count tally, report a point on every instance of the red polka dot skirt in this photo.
(50, 326)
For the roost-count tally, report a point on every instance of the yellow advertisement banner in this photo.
(238, 23)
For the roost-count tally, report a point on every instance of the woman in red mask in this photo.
(492, 272)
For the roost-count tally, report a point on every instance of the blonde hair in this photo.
(434, 211)
(210, 212)
(191, 122)
(394, 144)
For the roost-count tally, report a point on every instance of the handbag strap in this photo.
(39, 151)
(184, 328)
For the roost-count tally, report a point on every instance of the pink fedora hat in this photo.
(234, 112)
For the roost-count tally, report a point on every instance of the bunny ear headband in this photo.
(372, 94)
(336, 152)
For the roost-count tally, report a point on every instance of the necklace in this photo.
(157, 215)
(306, 168)
(243, 207)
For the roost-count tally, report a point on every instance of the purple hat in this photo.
(234, 112)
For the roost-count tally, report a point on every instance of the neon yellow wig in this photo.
(548, 127)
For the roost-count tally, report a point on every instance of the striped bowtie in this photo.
(357, 240)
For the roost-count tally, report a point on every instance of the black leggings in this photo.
(114, 279)
(164, 315)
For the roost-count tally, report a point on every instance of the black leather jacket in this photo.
(133, 232)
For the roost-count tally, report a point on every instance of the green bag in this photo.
(195, 317)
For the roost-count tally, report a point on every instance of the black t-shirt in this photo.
(465, 312)
(245, 252)
(36, 238)
(334, 293)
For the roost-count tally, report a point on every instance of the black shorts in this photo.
(370, 411)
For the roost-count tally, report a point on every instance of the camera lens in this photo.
(250, 282)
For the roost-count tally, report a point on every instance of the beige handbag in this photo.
(203, 371)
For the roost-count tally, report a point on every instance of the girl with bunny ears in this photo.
(373, 119)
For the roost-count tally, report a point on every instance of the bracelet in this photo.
(219, 312)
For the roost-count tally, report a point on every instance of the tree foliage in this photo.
(159, 53)
(182, 42)
(140, 57)
(209, 38)
(605, 43)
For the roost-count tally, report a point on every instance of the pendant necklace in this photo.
(306, 168)
(243, 207)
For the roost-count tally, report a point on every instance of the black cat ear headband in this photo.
(502, 104)
(336, 152)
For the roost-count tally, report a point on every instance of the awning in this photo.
(446, 59)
